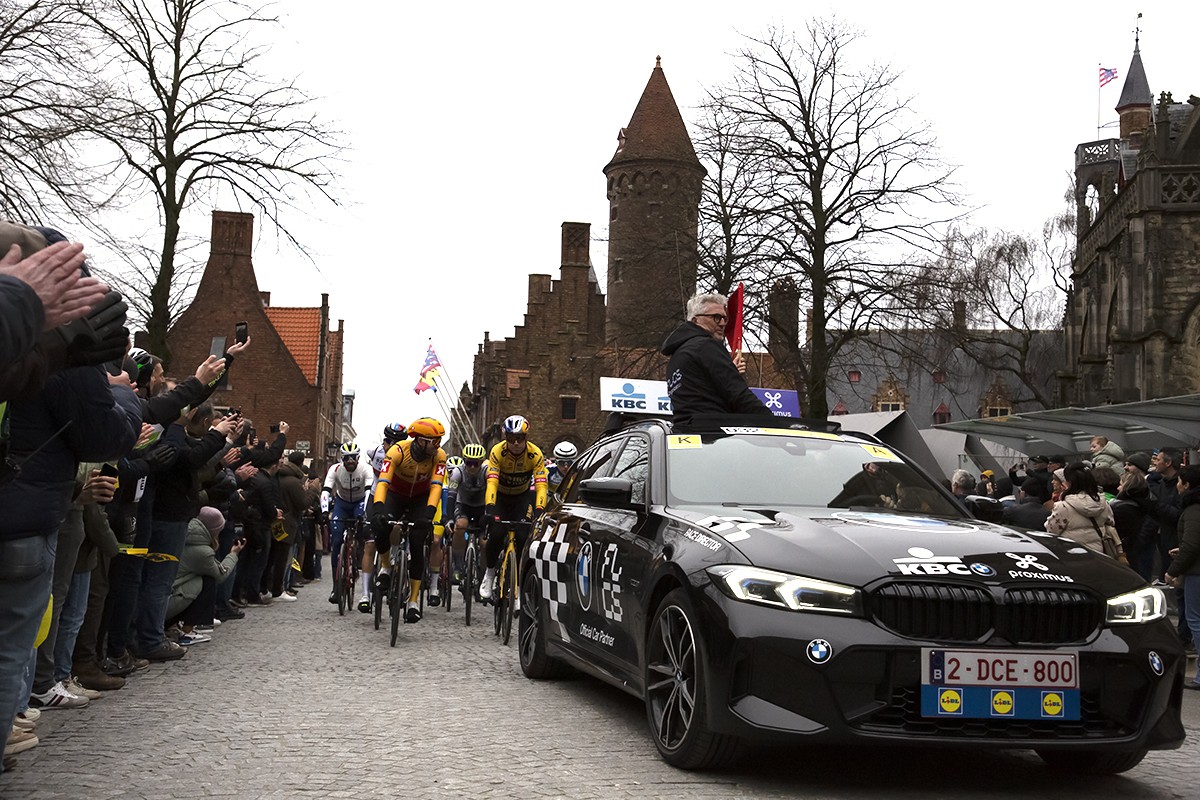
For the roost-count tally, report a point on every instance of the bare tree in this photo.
(196, 121)
(845, 183)
(45, 80)
(1000, 296)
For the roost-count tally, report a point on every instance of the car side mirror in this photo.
(984, 508)
(607, 492)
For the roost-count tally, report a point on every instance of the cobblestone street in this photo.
(295, 701)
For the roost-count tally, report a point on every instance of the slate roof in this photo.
(1136, 91)
(656, 130)
(300, 329)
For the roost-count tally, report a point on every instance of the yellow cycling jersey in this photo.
(508, 474)
(407, 477)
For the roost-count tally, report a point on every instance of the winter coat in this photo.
(1029, 514)
(1187, 560)
(1129, 511)
(1164, 514)
(1111, 456)
(198, 560)
(295, 499)
(701, 377)
(98, 422)
(1073, 516)
(177, 491)
(23, 366)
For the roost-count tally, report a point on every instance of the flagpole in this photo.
(1098, 90)
(470, 426)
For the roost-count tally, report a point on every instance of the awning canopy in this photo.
(1168, 421)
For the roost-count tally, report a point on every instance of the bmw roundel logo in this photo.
(819, 651)
(982, 569)
(1156, 663)
(583, 575)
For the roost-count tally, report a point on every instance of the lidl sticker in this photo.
(683, 441)
(880, 452)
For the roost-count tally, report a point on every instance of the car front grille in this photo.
(903, 715)
(950, 612)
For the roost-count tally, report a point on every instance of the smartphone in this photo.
(109, 471)
(241, 333)
(274, 429)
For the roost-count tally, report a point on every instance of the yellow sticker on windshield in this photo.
(683, 441)
(880, 452)
(807, 434)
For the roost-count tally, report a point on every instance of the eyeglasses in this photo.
(473, 464)
(426, 441)
(718, 317)
(515, 438)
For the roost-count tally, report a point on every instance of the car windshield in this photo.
(795, 469)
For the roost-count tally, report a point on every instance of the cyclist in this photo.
(466, 489)
(516, 490)
(346, 487)
(393, 433)
(443, 529)
(410, 487)
(564, 457)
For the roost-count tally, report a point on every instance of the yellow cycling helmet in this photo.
(427, 427)
(474, 452)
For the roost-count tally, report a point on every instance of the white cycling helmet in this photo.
(349, 450)
(565, 451)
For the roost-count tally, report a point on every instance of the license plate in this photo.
(997, 685)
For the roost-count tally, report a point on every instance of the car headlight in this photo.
(781, 590)
(1144, 605)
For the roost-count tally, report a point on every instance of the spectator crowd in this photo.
(1147, 505)
(137, 517)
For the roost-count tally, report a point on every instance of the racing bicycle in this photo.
(345, 577)
(504, 586)
(472, 574)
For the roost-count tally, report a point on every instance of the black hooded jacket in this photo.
(701, 377)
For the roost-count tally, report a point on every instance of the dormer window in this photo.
(854, 376)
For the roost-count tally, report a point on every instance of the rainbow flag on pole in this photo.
(429, 372)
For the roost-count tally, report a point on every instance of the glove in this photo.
(87, 350)
(108, 316)
(537, 512)
(427, 514)
(489, 516)
(160, 457)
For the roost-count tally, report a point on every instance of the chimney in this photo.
(322, 347)
(783, 321)
(576, 241)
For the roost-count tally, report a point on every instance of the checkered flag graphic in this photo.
(550, 560)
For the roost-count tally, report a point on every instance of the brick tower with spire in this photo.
(654, 181)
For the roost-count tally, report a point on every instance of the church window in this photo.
(569, 407)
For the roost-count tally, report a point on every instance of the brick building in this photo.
(1132, 327)
(292, 370)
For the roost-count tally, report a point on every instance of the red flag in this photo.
(733, 325)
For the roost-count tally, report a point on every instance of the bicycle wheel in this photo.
(447, 580)
(497, 599)
(510, 592)
(376, 595)
(468, 582)
(339, 589)
(398, 591)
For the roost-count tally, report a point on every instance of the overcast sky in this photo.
(476, 129)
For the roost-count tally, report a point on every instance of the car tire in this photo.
(676, 668)
(531, 636)
(1092, 762)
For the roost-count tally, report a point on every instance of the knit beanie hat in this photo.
(1139, 460)
(296, 457)
(213, 519)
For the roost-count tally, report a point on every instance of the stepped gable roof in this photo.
(1136, 91)
(656, 130)
(300, 329)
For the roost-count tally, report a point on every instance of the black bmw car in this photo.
(800, 585)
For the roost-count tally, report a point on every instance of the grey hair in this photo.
(697, 303)
(962, 479)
